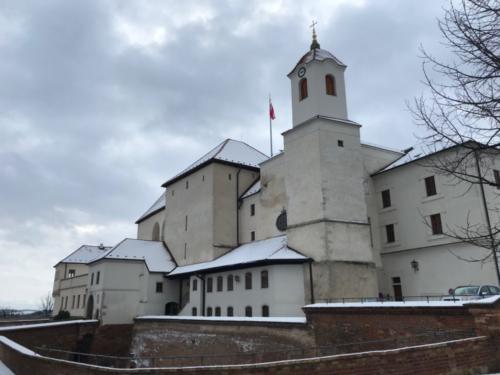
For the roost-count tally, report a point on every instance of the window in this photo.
(98, 277)
(264, 280)
(252, 235)
(73, 302)
(186, 224)
(159, 287)
(265, 310)
(248, 311)
(185, 250)
(84, 299)
(230, 282)
(98, 298)
(92, 279)
(340, 143)
(436, 225)
(386, 198)
(203, 178)
(330, 85)
(195, 285)
(303, 88)
(173, 192)
(229, 176)
(66, 302)
(78, 302)
(248, 280)
(497, 178)
(217, 311)
(187, 184)
(71, 273)
(194, 311)
(389, 231)
(210, 285)
(156, 232)
(209, 311)
(230, 311)
(252, 209)
(219, 283)
(430, 186)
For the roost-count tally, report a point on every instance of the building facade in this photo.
(237, 233)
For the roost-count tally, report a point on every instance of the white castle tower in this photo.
(327, 213)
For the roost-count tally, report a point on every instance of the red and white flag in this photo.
(271, 111)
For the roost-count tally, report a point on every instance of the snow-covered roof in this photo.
(255, 188)
(153, 253)
(86, 254)
(271, 250)
(158, 205)
(231, 151)
(317, 54)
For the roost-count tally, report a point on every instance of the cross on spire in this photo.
(314, 44)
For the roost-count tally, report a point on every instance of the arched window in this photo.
(248, 311)
(194, 311)
(248, 280)
(330, 85)
(209, 311)
(156, 232)
(230, 311)
(230, 282)
(265, 310)
(217, 311)
(264, 280)
(303, 88)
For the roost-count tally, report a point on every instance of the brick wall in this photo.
(468, 356)
(197, 338)
(332, 326)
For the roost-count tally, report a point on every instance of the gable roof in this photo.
(253, 189)
(86, 254)
(157, 206)
(229, 152)
(270, 251)
(153, 253)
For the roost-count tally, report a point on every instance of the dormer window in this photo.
(330, 85)
(303, 88)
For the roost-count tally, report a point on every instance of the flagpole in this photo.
(270, 126)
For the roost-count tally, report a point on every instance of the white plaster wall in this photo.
(64, 286)
(145, 227)
(317, 102)
(439, 269)
(285, 295)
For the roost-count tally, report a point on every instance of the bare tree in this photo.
(47, 304)
(461, 110)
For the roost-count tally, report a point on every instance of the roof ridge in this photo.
(222, 144)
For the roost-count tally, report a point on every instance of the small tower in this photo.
(326, 210)
(318, 86)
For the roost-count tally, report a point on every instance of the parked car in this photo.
(472, 292)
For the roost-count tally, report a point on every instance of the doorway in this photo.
(90, 307)
(398, 290)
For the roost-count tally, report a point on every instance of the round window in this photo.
(281, 221)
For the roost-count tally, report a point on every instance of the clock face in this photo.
(302, 72)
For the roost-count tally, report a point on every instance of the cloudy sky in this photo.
(102, 101)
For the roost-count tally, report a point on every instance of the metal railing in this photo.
(257, 357)
(403, 299)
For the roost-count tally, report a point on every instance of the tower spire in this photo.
(314, 44)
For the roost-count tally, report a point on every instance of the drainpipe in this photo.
(180, 294)
(311, 285)
(238, 207)
(487, 215)
(202, 278)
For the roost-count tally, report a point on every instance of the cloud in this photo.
(101, 102)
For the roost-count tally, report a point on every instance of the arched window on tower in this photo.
(330, 85)
(156, 232)
(303, 88)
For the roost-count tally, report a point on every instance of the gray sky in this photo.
(102, 101)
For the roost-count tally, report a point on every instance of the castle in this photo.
(238, 233)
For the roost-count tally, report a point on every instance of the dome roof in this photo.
(317, 54)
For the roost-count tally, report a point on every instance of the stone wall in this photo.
(468, 356)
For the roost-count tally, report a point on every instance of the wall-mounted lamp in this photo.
(414, 265)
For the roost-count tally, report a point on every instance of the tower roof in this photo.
(229, 152)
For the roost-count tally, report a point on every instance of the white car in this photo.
(472, 292)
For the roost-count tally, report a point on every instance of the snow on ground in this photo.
(485, 301)
(4, 370)
(284, 319)
(51, 324)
